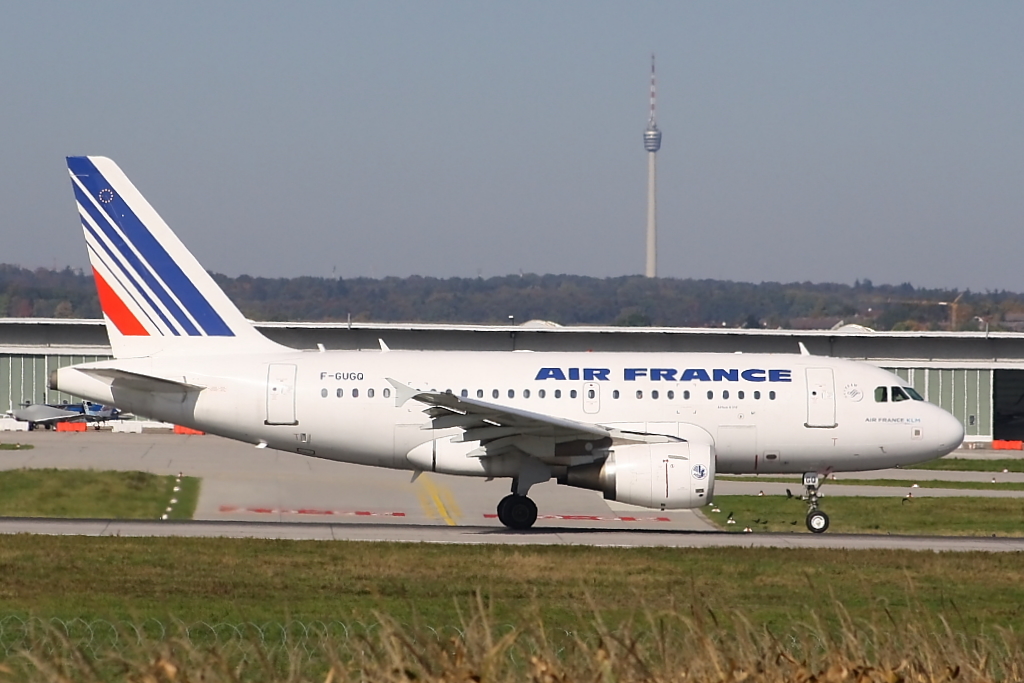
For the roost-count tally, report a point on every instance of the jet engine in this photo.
(664, 476)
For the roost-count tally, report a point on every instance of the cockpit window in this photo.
(881, 394)
(913, 393)
(898, 394)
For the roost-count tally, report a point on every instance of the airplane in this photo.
(51, 413)
(647, 429)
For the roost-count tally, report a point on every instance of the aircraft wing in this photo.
(500, 429)
(42, 414)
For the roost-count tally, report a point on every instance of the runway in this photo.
(252, 493)
(493, 535)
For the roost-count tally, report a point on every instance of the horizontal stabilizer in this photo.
(140, 382)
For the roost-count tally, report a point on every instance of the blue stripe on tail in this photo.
(104, 225)
(116, 211)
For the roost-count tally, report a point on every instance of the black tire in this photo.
(817, 521)
(519, 512)
(501, 509)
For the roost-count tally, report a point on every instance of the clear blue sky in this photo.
(802, 140)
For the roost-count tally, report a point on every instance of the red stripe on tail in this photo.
(124, 320)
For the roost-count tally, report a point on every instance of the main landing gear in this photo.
(517, 512)
(817, 520)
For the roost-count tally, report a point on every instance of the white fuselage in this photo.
(763, 413)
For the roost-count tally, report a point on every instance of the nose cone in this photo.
(949, 433)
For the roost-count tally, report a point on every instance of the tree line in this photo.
(563, 299)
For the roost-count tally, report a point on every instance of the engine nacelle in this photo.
(664, 476)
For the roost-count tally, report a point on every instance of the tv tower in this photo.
(652, 143)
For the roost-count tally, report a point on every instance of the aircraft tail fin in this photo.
(155, 296)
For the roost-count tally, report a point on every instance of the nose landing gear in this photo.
(817, 520)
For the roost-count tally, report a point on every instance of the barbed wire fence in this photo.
(243, 640)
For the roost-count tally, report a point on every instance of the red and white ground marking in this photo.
(594, 518)
(309, 511)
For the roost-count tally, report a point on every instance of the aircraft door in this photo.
(591, 397)
(821, 398)
(281, 394)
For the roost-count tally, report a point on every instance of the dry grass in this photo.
(693, 645)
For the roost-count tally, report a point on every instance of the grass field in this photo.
(237, 581)
(91, 494)
(972, 465)
(941, 516)
(897, 483)
(16, 446)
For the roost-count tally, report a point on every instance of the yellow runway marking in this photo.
(437, 500)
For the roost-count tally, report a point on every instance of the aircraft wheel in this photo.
(517, 512)
(817, 521)
(501, 509)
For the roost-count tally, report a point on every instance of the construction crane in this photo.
(954, 305)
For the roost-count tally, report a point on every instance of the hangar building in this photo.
(977, 376)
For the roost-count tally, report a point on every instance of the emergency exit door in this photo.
(821, 398)
(281, 394)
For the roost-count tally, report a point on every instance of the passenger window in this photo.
(740, 395)
(355, 393)
(757, 395)
(341, 392)
(495, 394)
(526, 393)
(465, 393)
(686, 395)
(639, 394)
(725, 394)
(671, 395)
(479, 393)
(572, 394)
(654, 394)
(511, 393)
(323, 393)
(387, 393)
(591, 393)
(558, 393)
(615, 394)
(541, 393)
(711, 395)
(899, 395)
(448, 391)
(771, 395)
(881, 395)
(369, 393)
(913, 393)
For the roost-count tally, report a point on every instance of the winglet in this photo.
(383, 347)
(402, 392)
(803, 349)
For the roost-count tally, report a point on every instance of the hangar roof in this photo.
(49, 335)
